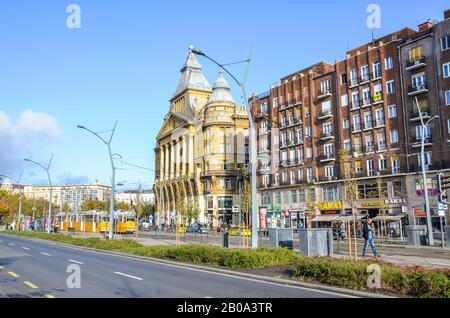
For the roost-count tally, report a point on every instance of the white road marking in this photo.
(130, 276)
(46, 254)
(441, 264)
(25, 248)
(11, 244)
(1, 241)
(76, 262)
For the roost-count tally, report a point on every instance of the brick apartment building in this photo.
(365, 106)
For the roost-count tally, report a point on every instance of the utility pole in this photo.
(47, 169)
(424, 174)
(113, 177)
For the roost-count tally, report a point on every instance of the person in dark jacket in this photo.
(368, 238)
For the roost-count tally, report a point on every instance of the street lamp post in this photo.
(252, 139)
(424, 175)
(19, 213)
(113, 171)
(47, 169)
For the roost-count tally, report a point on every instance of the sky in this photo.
(123, 64)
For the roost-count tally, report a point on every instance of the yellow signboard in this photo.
(330, 205)
(372, 203)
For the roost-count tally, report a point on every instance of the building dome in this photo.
(221, 91)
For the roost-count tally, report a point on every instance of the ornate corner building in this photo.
(200, 150)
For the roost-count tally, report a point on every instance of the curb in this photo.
(288, 282)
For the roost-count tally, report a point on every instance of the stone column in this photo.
(161, 163)
(184, 159)
(177, 158)
(166, 161)
(172, 159)
(191, 155)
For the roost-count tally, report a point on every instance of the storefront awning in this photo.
(336, 218)
(346, 218)
(326, 218)
(390, 218)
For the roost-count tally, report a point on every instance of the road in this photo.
(30, 268)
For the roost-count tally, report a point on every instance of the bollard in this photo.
(225, 239)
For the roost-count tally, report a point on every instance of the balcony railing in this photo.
(356, 104)
(325, 114)
(356, 128)
(261, 115)
(366, 102)
(415, 115)
(365, 78)
(325, 136)
(418, 89)
(382, 146)
(354, 82)
(326, 157)
(323, 93)
(412, 65)
(379, 123)
(368, 125)
(327, 178)
(418, 142)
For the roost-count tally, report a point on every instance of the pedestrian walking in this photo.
(368, 238)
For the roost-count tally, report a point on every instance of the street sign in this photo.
(441, 209)
(236, 208)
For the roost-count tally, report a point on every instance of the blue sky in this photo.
(123, 64)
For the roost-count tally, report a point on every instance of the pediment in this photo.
(172, 122)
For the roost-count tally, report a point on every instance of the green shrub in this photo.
(411, 281)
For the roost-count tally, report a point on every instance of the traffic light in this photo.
(443, 184)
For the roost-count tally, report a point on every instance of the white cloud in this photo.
(32, 131)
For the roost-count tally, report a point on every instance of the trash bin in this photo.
(279, 237)
(416, 235)
(316, 242)
(225, 239)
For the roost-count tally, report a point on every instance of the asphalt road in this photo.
(30, 268)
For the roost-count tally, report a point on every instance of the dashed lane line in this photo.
(12, 244)
(76, 262)
(50, 296)
(13, 274)
(126, 275)
(30, 284)
(46, 254)
(25, 248)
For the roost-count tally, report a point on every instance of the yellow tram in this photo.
(96, 222)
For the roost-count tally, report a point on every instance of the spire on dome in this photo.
(221, 91)
(192, 76)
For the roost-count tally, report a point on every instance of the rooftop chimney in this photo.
(447, 14)
(425, 26)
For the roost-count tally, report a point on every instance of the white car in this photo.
(145, 225)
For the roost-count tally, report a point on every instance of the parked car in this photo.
(198, 228)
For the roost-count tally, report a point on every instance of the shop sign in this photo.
(262, 218)
(330, 205)
(395, 201)
(371, 203)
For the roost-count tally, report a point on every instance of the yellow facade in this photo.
(200, 150)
